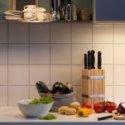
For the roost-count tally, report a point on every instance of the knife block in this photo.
(93, 86)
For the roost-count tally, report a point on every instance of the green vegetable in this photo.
(48, 117)
(42, 100)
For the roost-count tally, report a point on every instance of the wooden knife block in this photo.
(93, 85)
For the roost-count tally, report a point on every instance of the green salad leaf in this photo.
(42, 100)
(48, 117)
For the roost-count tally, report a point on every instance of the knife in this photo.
(89, 59)
(104, 117)
(99, 60)
(93, 59)
(85, 61)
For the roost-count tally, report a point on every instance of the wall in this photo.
(54, 52)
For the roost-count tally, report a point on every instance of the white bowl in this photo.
(33, 110)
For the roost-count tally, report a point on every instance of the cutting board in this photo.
(118, 116)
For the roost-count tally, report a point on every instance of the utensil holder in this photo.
(93, 86)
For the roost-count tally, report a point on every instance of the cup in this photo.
(85, 15)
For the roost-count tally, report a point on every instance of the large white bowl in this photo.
(33, 110)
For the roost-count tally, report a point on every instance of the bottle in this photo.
(68, 12)
(74, 12)
(58, 10)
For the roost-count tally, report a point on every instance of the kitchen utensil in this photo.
(93, 59)
(33, 110)
(93, 85)
(104, 117)
(99, 60)
(85, 61)
(89, 59)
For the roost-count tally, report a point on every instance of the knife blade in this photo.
(99, 60)
(85, 61)
(93, 59)
(89, 59)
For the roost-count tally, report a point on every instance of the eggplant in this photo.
(41, 87)
(61, 88)
(68, 88)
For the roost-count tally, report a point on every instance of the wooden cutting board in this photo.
(118, 116)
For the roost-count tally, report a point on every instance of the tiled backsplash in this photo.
(54, 52)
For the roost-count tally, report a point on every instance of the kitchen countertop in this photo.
(12, 115)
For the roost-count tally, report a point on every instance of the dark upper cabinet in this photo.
(109, 10)
(19, 4)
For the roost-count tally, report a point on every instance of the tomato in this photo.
(86, 105)
(111, 106)
(99, 107)
(103, 106)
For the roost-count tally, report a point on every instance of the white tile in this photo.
(107, 52)
(119, 33)
(77, 92)
(119, 92)
(39, 73)
(18, 33)
(61, 33)
(3, 33)
(78, 51)
(77, 74)
(61, 54)
(18, 75)
(18, 54)
(39, 54)
(103, 33)
(61, 73)
(17, 93)
(33, 92)
(109, 93)
(108, 74)
(3, 53)
(3, 74)
(119, 56)
(119, 74)
(81, 33)
(39, 33)
(3, 95)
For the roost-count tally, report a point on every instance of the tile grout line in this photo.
(7, 63)
(113, 66)
(29, 60)
(71, 53)
(50, 65)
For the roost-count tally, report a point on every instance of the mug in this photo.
(30, 8)
(29, 16)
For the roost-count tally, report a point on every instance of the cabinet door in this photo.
(109, 10)
(19, 4)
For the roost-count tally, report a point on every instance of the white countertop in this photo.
(12, 114)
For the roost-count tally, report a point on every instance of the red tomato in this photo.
(86, 105)
(99, 107)
(111, 106)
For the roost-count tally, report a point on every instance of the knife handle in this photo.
(93, 59)
(89, 59)
(85, 61)
(104, 118)
(99, 60)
